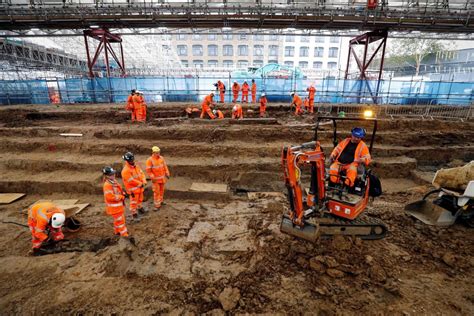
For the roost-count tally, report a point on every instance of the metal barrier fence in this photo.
(195, 88)
(429, 112)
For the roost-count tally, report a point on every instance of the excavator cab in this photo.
(325, 209)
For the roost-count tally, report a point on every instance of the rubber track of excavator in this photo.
(343, 224)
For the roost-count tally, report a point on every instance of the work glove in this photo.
(125, 196)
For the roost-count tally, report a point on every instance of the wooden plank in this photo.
(209, 187)
(7, 198)
(71, 134)
(74, 209)
(58, 202)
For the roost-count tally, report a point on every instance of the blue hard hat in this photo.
(358, 132)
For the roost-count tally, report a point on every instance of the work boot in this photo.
(142, 210)
(135, 218)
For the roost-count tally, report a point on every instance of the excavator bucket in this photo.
(307, 232)
(430, 213)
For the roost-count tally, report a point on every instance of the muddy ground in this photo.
(217, 253)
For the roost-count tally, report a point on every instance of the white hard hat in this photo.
(263, 94)
(57, 220)
(292, 93)
(235, 81)
(234, 108)
(214, 112)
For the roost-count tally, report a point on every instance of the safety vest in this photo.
(39, 216)
(157, 170)
(113, 197)
(361, 152)
(133, 177)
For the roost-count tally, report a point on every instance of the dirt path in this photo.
(215, 253)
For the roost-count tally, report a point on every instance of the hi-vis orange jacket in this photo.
(361, 155)
(113, 197)
(133, 177)
(157, 169)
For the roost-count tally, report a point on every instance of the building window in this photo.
(332, 65)
(304, 39)
(289, 51)
(182, 50)
(212, 50)
(273, 50)
(228, 64)
(242, 64)
(273, 61)
(243, 50)
(258, 37)
(258, 50)
(289, 63)
(318, 51)
(317, 65)
(289, 38)
(197, 37)
(303, 64)
(320, 39)
(212, 37)
(184, 63)
(304, 51)
(334, 39)
(243, 36)
(258, 63)
(227, 36)
(274, 37)
(198, 63)
(333, 51)
(181, 37)
(212, 63)
(197, 50)
(228, 50)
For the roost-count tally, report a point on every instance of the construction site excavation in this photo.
(215, 245)
(269, 157)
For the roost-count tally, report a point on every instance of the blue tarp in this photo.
(193, 89)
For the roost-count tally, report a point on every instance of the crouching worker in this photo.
(158, 172)
(45, 221)
(114, 197)
(348, 155)
(237, 112)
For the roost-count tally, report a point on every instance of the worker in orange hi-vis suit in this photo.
(206, 105)
(245, 92)
(142, 112)
(158, 172)
(254, 91)
(237, 112)
(263, 104)
(134, 180)
(348, 155)
(221, 88)
(235, 91)
(218, 113)
(114, 198)
(306, 104)
(297, 102)
(130, 105)
(311, 93)
(45, 221)
(137, 106)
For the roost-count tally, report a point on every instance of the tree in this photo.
(412, 51)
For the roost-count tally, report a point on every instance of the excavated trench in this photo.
(203, 244)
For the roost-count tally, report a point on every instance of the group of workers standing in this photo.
(137, 106)
(45, 219)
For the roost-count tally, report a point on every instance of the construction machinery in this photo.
(326, 209)
(448, 206)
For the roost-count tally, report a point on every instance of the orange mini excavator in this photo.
(326, 209)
